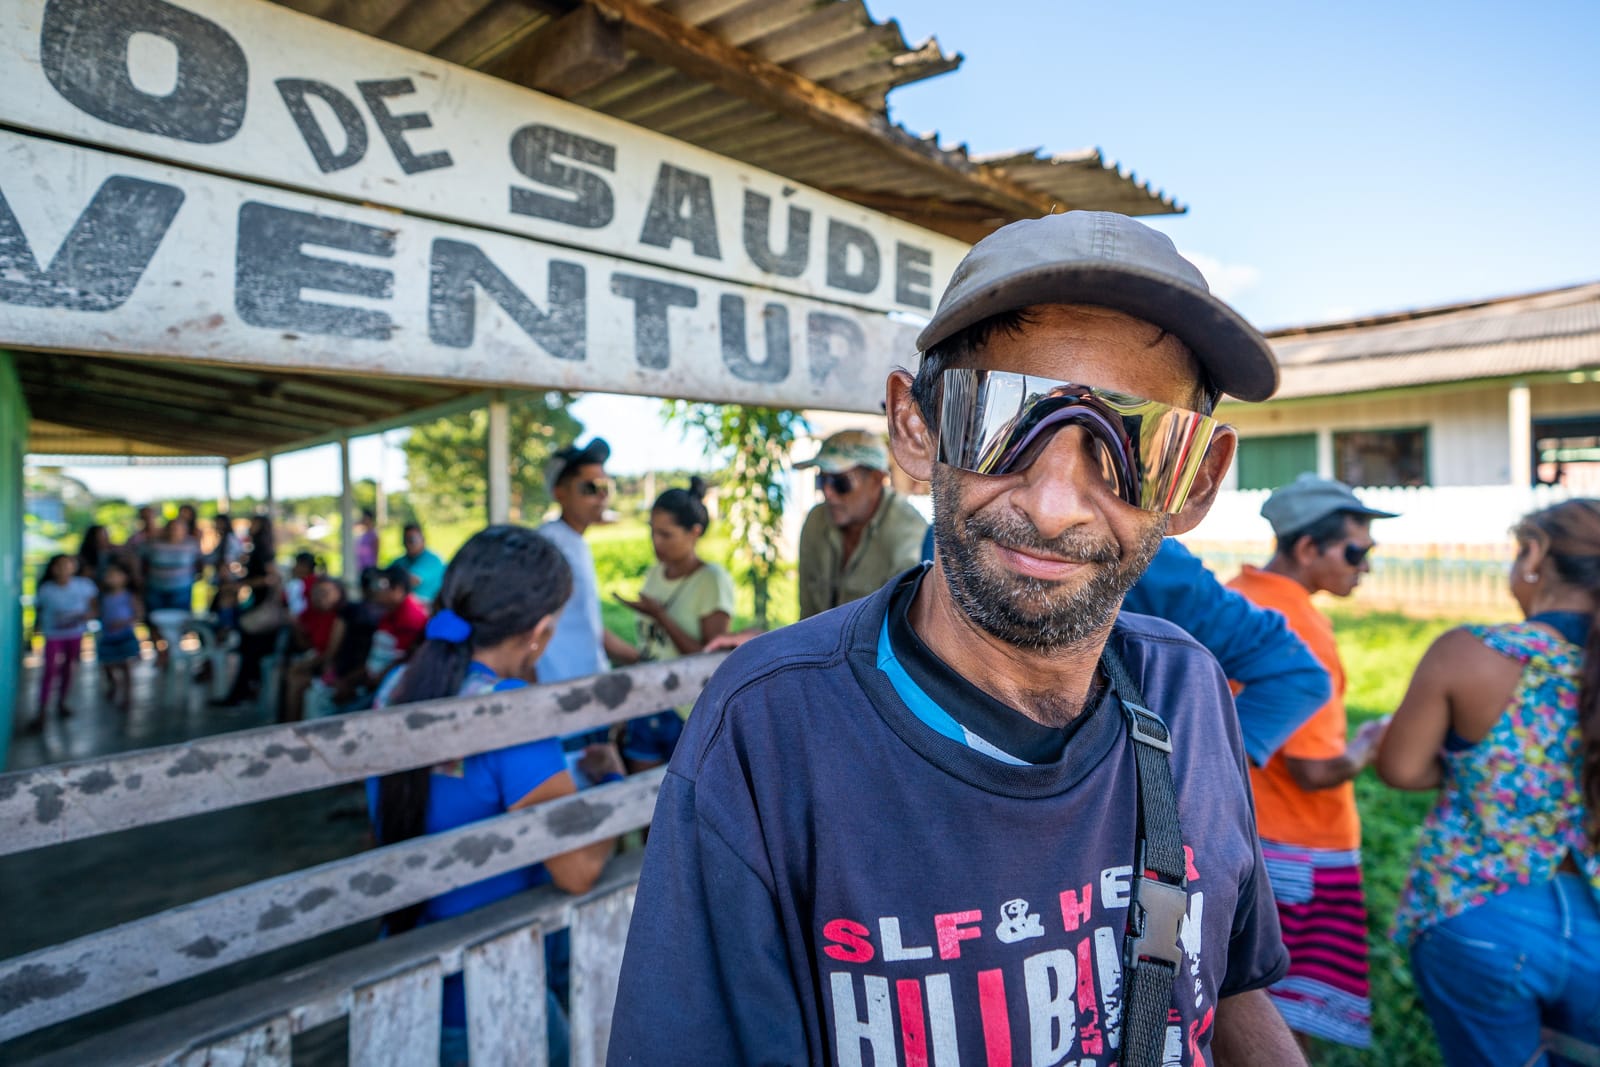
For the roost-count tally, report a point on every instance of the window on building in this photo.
(1381, 457)
(1567, 452)
(1268, 462)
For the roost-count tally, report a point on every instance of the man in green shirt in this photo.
(863, 533)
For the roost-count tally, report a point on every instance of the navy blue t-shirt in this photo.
(830, 880)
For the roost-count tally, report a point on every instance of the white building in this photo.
(1460, 417)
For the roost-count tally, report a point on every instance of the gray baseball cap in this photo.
(1102, 258)
(847, 450)
(1293, 507)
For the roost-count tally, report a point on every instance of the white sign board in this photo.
(258, 91)
(102, 253)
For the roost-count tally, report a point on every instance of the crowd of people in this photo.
(1032, 763)
(174, 576)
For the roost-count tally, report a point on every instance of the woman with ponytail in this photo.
(497, 608)
(684, 604)
(1502, 911)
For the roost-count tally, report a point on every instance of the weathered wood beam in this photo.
(69, 801)
(576, 52)
(90, 972)
(710, 59)
(318, 994)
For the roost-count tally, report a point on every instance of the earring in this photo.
(1530, 577)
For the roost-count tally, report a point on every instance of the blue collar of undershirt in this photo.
(927, 709)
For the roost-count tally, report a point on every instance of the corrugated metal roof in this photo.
(1553, 331)
(834, 44)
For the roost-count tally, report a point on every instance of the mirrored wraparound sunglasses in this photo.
(1355, 554)
(998, 422)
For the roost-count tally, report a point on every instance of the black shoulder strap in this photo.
(1159, 900)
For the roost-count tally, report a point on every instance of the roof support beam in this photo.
(710, 59)
(464, 402)
(577, 52)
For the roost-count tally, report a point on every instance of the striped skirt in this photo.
(1324, 917)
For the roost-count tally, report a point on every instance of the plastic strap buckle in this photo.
(1156, 911)
(1147, 727)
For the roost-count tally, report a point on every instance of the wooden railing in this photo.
(390, 991)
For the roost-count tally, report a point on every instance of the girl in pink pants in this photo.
(64, 603)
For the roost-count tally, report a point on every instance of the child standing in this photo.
(65, 603)
(117, 644)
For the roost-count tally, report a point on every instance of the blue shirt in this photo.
(577, 648)
(1284, 685)
(427, 569)
(826, 871)
(466, 791)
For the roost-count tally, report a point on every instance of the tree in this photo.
(447, 459)
(755, 443)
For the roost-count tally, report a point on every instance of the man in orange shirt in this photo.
(1305, 795)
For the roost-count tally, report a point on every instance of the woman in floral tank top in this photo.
(1502, 910)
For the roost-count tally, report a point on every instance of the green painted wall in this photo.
(13, 443)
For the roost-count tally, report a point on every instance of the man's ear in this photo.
(911, 439)
(1207, 480)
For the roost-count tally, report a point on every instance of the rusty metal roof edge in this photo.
(1390, 318)
(1029, 167)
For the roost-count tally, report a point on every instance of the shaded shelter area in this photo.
(98, 405)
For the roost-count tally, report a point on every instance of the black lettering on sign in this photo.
(534, 151)
(103, 256)
(791, 263)
(680, 207)
(736, 346)
(859, 277)
(83, 47)
(830, 341)
(652, 336)
(394, 127)
(272, 271)
(458, 267)
(294, 92)
(913, 275)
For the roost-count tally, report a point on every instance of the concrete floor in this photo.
(54, 894)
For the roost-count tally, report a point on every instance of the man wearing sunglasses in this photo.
(576, 478)
(977, 817)
(863, 533)
(1305, 794)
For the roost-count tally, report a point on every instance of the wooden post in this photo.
(499, 458)
(348, 567)
(380, 502)
(1519, 420)
(272, 500)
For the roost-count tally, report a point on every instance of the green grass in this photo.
(1380, 650)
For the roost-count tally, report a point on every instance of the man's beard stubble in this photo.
(1026, 612)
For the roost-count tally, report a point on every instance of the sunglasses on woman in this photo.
(998, 422)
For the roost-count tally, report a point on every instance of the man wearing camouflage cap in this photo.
(863, 533)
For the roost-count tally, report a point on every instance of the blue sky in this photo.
(1337, 159)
